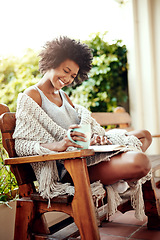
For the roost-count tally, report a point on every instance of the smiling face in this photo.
(64, 74)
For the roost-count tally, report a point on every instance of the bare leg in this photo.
(127, 166)
(144, 136)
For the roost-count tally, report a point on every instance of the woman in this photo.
(45, 113)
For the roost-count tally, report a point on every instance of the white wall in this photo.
(7, 219)
(144, 73)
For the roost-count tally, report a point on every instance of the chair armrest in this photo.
(49, 157)
(156, 135)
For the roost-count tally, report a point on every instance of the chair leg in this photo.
(24, 215)
(82, 204)
(40, 225)
(28, 221)
(150, 206)
(153, 223)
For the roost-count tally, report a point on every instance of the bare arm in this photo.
(65, 142)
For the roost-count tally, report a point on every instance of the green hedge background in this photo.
(106, 87)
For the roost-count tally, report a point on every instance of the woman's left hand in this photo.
(101, 140)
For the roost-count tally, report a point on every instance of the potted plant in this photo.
(8, 194)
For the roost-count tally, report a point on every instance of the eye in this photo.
(65, 71)
(73, 77)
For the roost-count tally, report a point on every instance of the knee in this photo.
(142, 164)
(148, 136)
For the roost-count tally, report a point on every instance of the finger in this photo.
(78, 134)
(76, 145)
(107, 141)
(76, 138)
(101, 140)
(98, 139)
(70, 143)
(74, 126)
(104, 140)
(93, 141)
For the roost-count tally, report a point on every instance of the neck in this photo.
(46, 86)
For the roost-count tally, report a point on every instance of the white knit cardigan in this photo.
(34, 126)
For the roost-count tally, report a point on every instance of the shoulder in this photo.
(34, 94)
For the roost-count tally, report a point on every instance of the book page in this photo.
(106, 148)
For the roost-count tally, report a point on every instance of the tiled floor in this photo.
(126, 226)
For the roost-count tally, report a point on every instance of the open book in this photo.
(107, 148)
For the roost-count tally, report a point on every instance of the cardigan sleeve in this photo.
(33, 127)
(28, 148)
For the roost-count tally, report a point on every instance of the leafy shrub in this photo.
(7, 180)
(107, 85)
(16, 75)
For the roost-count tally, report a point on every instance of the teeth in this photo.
(61, 82)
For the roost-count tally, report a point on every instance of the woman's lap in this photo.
(127, 166)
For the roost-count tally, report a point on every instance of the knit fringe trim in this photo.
(136, 197)
(55, 189)
(113, 201)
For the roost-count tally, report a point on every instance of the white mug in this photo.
(84, 128)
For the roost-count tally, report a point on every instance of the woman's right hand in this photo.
(62, 145)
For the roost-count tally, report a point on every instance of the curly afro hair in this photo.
(60, 49)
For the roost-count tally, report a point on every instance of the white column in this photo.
(144, 74)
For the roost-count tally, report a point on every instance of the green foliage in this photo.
(7, 179)
(16, 75)
(106, 87)
(107, 84)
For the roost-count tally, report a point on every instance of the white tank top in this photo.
(65, 115)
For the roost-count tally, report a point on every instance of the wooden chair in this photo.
(30, 222)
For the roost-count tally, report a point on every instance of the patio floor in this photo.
(126, 226)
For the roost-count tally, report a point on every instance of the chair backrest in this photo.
(117, 119)
(23, 172)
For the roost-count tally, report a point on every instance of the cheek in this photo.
(53, 80)
(55, 76)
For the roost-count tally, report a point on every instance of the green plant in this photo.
(107, 85)
(16, 75)
(8, 182)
